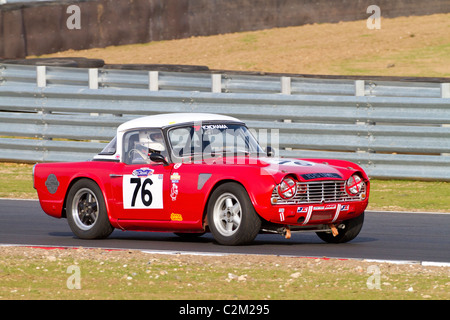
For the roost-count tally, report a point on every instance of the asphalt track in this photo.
(415, 237)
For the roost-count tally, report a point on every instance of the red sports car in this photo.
(190, 173)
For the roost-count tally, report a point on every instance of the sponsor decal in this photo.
(345, 207)
(281, 212)
(302, 209)
(176, 217)
(142, 172)
(174, 192)
(326, 207)
(310, 176)
(177, 165)
(175, 178)
(214, 126)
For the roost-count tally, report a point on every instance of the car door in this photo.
(143, 192)
(142, 187)
(187, 196)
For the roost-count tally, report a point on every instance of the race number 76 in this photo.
(146, 195)
(142, 192)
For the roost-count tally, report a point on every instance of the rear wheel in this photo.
(231, 216)
(86, 211)
(352, 227)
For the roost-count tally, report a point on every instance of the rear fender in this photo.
(95, 179)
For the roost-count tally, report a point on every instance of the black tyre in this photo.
(231, 217)
(351, 230)
(74, 62)
(86, 211)
(53, 62)
(159, 67)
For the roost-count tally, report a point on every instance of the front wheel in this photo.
(352, 227)
(86, 211)
(231, 216)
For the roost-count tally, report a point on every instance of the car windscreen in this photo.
(210, 140)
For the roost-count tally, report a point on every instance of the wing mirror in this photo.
(157, 157)
(270, 152)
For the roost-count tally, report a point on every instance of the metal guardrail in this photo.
(392, 129)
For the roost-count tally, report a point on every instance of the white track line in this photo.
(220, 254)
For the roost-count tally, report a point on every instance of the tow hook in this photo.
(284, 231)
(334, 230)
(287, 232)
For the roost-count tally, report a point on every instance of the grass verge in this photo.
(30, 273)
(406, 195)
(16, 181)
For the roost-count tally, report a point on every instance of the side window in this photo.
(179, 137)
(186, 141)
(110, 148)
(137, 144)
(181, 141)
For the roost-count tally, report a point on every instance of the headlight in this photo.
(287, 188)
(354, 185)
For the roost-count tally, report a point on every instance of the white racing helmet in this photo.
(147, 139)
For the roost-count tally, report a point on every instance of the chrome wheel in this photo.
(85, 209)
(231, 217)
(227, 214)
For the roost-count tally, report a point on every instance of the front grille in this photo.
(318, 192)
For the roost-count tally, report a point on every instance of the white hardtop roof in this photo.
(167, 119)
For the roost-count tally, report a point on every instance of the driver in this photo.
(149, 142)
(155, 147)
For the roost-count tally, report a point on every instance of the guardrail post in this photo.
(41, 77)
(360, 88)
(153, 80)
(216, 83)
(286, 85)
(445, 93)
(445, 90)
(93, 78)
(93, 84)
